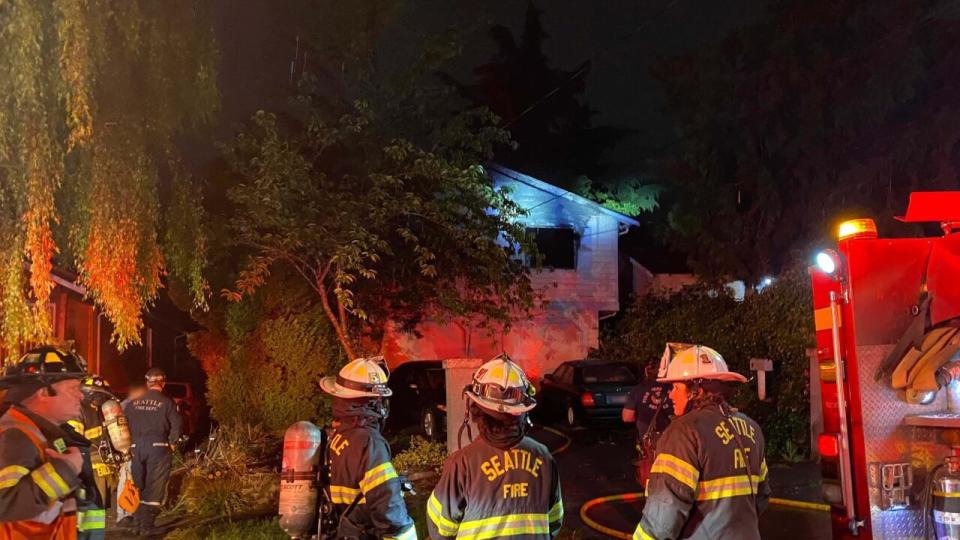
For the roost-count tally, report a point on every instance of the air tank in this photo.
(117, 427)
(299, 474)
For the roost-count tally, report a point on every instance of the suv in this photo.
(419, 398)
(187, 404)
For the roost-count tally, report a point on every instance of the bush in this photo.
(234, 475)
(277, 347)
(776, 324)
(421, 456)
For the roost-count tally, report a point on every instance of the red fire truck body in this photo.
(879, 304)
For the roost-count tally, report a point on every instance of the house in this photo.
(637, 280)
(79, 325)
(579, 279)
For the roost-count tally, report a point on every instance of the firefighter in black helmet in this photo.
(39, 468)
(364, 486)
(155, 426)
(503, 484)
(99, 476)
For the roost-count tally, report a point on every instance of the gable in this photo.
(550, 206)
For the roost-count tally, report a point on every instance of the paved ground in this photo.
(599, 463)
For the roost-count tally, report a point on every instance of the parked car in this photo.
(586, 391)
(187, 404)
(419, 398)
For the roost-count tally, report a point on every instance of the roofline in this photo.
(558, 192)
(67, 284)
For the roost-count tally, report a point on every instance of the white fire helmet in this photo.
(685, 362)
(361, 378)
(501, 386)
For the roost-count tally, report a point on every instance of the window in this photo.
(565, 375)
(558, 246)
(608, 373)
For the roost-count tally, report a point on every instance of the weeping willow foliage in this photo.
(92, 95)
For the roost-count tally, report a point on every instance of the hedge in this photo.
(776, 323)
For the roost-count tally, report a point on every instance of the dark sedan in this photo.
(587, 391)
(419, 398)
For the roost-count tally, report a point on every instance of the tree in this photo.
(93, 94)
(542, 106)
(822, 110)
(379, 228)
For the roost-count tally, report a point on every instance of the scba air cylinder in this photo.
(117, 427)
(302, 446)
(946, 501)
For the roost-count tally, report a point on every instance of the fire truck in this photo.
(887, 318)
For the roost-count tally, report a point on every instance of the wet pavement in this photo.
(599, 463)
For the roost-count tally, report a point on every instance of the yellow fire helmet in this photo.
(501, 386)
(683, 362)
(361, 378)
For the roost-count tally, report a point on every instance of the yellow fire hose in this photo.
(637, 496)
(567, 440)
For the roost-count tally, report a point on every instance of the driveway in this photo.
(598, 463)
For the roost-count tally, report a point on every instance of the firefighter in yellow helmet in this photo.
(364, 486)
(709, 479)
(98, 476)
(503, 484)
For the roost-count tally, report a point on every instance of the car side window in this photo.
(558, 374)
(566, 377)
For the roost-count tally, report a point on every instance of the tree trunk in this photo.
(339, 328)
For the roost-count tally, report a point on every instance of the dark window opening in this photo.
(557, 246)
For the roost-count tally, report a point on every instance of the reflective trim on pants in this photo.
(88, 520)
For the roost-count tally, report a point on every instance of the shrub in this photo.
(421, 456)
(776, 324)
(278, 345)
(234, 475)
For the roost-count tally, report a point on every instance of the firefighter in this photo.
(361, 473)
(648, 407)
(504, 483)
(99, 478)
(709, 479)
(155, 427)
(39, 471)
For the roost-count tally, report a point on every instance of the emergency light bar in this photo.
(857, 228)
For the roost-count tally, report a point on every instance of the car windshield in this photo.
(175, 390)
(608, 373)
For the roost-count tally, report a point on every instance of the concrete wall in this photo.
(459, 372)
(670, 283)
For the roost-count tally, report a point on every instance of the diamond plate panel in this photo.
(887, 438)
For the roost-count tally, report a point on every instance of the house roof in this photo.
(163, 310)
(559, 192)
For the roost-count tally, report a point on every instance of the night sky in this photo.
(621, 38)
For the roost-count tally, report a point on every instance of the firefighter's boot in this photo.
(148, 521)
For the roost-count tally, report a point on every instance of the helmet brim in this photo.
(43, 378)
(330, 386)
(729, 376)
(497, 406)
